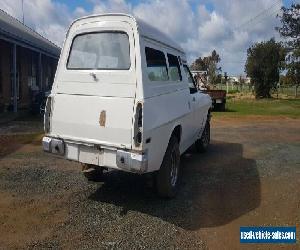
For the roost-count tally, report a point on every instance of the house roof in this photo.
(13, 30)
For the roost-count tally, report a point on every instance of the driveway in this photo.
(250, 176)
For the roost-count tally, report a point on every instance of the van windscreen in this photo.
(103, 50)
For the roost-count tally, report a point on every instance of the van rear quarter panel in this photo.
(161, 115)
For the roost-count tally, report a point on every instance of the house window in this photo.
(174, 68)
(156, 65)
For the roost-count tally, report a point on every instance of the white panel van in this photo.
(123, 98)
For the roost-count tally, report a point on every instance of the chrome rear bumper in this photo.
(53, 145)
(134, 162)
(111, 158)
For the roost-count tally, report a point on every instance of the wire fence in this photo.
(280, 91)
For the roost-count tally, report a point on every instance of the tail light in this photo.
(47, 115)
(138, 126)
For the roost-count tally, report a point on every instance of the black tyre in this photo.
(168, 175)
(222, 107)
(92, 172)
(203, 143)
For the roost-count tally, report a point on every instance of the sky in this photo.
(199, 26)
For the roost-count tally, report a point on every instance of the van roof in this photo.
(143, 28)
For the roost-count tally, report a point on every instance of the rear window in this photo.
(105, 50)
(156, 65)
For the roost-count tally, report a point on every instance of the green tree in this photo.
(286, 80)
(264, 61)
(209, 64)
(290, 29)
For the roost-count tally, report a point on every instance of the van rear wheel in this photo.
(168, 175)
(92, 172)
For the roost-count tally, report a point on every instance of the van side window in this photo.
(174, 68)
(191, 82)
(156, 65)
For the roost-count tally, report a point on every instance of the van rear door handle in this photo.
(92, 74)
(194, 99)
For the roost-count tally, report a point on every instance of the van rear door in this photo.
(95, 84)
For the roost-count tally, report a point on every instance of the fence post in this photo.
(227, 88)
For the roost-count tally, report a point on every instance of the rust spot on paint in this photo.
(102, 118)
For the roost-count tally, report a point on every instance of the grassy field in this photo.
(271, 107)
(283, 91)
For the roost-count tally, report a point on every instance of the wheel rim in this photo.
(174, 168)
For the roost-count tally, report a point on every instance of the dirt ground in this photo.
(250, 176)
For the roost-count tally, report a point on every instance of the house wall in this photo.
(30, 80)
(5, 49)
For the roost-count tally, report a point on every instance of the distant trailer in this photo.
(218, 96)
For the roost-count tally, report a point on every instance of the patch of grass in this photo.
(269, 107)
(26, 155)
(10, 143)
(233, 91)
(28, 138)
(34, 138)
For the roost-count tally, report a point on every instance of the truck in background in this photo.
(218, 96)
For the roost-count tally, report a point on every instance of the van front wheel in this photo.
(167, 176)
